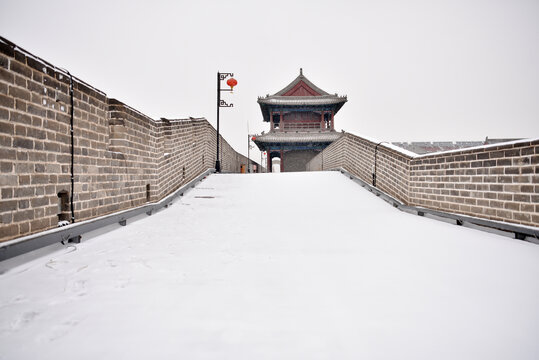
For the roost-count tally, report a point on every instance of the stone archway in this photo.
(278, 156)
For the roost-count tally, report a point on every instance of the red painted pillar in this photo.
(281, 124)
(271, 120)
(282, 161)
(332, 119)
(322, 119)
(269, 162)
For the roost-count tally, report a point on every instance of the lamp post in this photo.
(249, 147)
(221, 103)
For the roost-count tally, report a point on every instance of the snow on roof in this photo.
(298, 137)
(302, 100)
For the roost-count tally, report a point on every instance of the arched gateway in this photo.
(301, 118)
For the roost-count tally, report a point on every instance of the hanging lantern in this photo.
(253, 138)
(232, 82)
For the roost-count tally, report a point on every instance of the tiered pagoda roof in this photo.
(300, 93)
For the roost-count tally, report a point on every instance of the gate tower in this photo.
(302, 124)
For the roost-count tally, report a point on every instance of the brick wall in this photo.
(357, 154)
(333, 157)
(122, 159)
(497, 182)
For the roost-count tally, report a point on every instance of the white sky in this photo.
(413, 70)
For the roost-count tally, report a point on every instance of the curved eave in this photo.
(290, 139)
(300, 102)
(266, 146)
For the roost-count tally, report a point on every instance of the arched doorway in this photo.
(276, 165)
(275, 161)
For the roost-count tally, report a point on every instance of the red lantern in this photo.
(232, 82)
(253, 138)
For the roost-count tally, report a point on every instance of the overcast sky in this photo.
(413, 70)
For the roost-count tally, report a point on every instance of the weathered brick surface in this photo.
(357, 155)
(494, 182)
(122, 159)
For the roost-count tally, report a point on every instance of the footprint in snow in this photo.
(59, 331)
(23, 320)
(123, 283)
(77, 288)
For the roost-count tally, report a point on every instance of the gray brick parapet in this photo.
(123, 158)
(495, 182)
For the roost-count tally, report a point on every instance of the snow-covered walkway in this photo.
(276, 266)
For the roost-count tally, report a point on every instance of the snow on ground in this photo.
(276, 266)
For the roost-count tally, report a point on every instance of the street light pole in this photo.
(221, 103)
(248, 153)
(217, 162)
